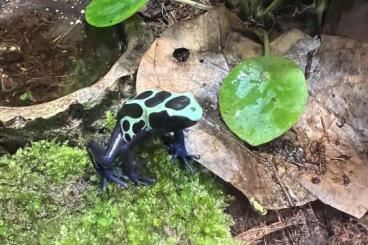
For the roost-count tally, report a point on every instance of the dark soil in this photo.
(40, 65)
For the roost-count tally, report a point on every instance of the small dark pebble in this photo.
(315, 180)
(346, 180)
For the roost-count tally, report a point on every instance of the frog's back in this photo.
(151, 110)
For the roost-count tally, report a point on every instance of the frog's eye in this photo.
(193, 109)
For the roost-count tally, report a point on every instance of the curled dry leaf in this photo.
(303, 164)
(334, 128)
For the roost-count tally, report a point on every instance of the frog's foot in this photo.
(178, 151)
(110, 175)
(139, 180)
(107, 174)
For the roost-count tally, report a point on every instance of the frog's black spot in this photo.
(162, 121)
(131, 110)
(144, 95)
(157, 99)
(158, 120)
(181, 54)
(178, 103)
(127, 137)
(126, 125)
(137, 127)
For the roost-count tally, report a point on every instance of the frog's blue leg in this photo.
(108, 175)
(102, 158)
(178, 150)
(126, 157)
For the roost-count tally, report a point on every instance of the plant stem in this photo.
(263, 36)
(195, 4)
(270, 8)
(245, 7)
(255, 5)
(266, 43)
(320, 9)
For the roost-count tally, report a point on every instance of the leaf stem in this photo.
(266, 43)
(263, 36)
(245, 6)
(270, 8)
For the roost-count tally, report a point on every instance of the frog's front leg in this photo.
(178, 150)
(127, 161)
(103, 158)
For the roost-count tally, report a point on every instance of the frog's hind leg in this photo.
(103, 158)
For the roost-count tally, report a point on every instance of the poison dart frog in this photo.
(150, 114)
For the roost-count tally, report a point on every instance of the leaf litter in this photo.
(322, 157)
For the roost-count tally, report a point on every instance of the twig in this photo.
(58, 39)
(291, 203)
(258, 233)
(324, 130)
(195, 4)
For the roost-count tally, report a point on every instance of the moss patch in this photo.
(50, 193)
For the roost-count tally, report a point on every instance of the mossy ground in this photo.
(50, 193)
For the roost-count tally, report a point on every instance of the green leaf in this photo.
(263, 97)
(102, 13)
(26, 96)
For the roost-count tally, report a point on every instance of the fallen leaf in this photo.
(324, 156)
(336, 120)
(221, 152)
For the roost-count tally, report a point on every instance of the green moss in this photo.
(110, 120)
(50, 193)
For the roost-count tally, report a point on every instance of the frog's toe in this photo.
(192, 157)
(146, 180)
(104, 184)
(181, 153)
(118, 181)
(139, 180)
(109, 175)
(188, 167)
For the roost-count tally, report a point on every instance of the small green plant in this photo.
(50, 193)
(103, 13)
(261, 10)
(263, 97)
(27, 96)
(257, 9)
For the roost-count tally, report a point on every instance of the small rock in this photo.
(6, 83)
(283, 43)
(9, 53)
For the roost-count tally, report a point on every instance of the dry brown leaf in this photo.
(337, 119)
(316, 158)
(202, 73)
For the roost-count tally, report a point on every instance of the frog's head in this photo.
(180, 111)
